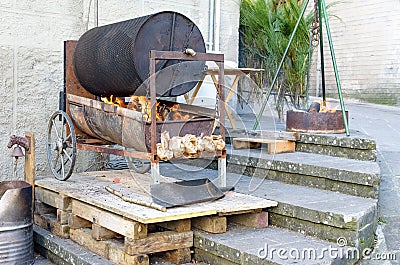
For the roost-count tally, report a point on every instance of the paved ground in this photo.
(383, 124)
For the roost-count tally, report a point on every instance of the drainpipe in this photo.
(96, 13)
(217, 23)
(211, 11)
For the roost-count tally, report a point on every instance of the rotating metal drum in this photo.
(114, 59)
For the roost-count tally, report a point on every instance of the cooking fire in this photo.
(320, 106)
(164, 112)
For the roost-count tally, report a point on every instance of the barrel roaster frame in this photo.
(74, 93)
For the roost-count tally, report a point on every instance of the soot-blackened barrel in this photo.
(114, 59)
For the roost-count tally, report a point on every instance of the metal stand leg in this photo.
(222, 171)
(155, 172)
(328, 32)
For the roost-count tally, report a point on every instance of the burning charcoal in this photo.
(163, 111)
(314, 107)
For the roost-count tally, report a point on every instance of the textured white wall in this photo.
(32, 33)
(367, 45)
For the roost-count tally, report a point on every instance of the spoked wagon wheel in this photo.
(61, 145)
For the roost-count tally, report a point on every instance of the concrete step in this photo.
(356, 146)
(247, 246)
(64, 251)
(319, 213)
(349, 176)
(353, 177)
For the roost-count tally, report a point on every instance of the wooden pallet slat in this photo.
(63, 216)
(255, 220)
(49, 222)
(110, 249)
(178, 225)
(127, 233)
(177, 256)
(211, 224)
(109, 220)
(52, 198)
(159, 242)
(274, 146)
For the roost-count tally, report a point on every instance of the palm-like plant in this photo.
(266, 27)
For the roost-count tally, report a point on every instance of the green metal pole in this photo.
(328, 32)
(321, 48)
(279, 67)
(308, 68)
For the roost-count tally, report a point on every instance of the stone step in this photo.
(356, 146)
(270, 245)
(319, 213)
(64, 251)
(349, 176)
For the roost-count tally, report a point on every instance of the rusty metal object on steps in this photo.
(315, 122)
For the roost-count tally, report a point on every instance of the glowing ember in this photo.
(319, 106)
(143, 105)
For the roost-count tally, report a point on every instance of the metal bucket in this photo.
(16, 223)
(114, 59)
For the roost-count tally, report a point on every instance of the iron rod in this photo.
(308, 68)
(279, 67)
(221, 95)
(321, 48)
(328, 32)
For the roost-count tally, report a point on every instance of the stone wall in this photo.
(31, 50)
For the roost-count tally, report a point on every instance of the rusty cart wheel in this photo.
(139, 165)
(61, 145)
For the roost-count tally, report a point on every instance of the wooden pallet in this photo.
(127, 233)
(274, 146)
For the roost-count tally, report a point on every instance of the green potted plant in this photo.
(265, 29)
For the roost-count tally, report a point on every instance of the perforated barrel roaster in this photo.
(149, 56)
(114, 59)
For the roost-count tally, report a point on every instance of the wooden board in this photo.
(273, 135)
(274, 146)
(89, 188)
(49, 222)
(112, 250)
(159, 242)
